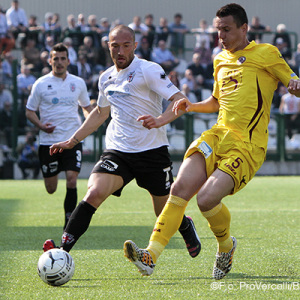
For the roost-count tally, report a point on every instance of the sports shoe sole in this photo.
(130, 251)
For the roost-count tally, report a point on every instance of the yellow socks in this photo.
(219, 222)
(166, 225)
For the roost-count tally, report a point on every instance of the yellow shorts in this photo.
(223, 149)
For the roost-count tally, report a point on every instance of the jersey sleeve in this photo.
(277, 66)
(158, 81)
(102, 100)
(84, 99)
(34, 99)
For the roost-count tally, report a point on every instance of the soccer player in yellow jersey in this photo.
(226, 157)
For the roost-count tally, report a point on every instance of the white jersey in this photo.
(57, 101)
(132, 92)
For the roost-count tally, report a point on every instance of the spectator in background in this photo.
(139, 28)
(43, 62)
(7, 41)
(47, 25)
(31, 54)
(296, 60)
(81, 25)
(17, 19)
(178, 29)
(85, 70)
(185, 89)
(72, 53)
(213, 31)
(144, 51)
(105, 26)
(256, 30)
(56, 27)
(290, 106)
(28, 156)
(25, 81)
(281, 32)
(216, 50)
(205, 54)
(104, 54)
(91, 53)
(6, 122)
(162, 31)
(189, 80)
(151, 29)
(202, 34)
(7, 68)
(74, 32)
(283, 48)
(174, 77)
(280, 91)
(35, 31)
(5, 95)
(49, 43)
(94, 30)
(164, 57)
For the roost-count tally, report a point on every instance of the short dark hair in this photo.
(60, 47)
(236, 11)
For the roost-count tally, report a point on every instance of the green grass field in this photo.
(265, 221)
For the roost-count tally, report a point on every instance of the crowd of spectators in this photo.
(87, 42)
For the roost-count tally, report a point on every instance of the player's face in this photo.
(122, 48)
(59, 62)
(232, 37)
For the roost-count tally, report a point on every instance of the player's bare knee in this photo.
(95, 196)
(50, 189)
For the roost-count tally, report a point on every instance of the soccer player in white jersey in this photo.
(132, 92)
(56, 97)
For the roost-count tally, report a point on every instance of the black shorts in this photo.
(152, 169)
(68, 160)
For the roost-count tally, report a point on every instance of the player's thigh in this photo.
(216, 187)
(100, 186)
(190, 178)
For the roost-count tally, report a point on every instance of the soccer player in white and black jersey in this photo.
(56, 97)
(131, 92)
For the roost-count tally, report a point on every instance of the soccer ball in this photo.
(56, 267)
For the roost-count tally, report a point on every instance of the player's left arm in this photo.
(294, 87)
(166, 117)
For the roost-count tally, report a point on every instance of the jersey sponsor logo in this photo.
(130, 76)
(72, 87)
(293, 75)
(230, 168)
(170, 84)
(205, 149)
(109, 165)
(241, 60)
(55, 100)
(230, 81)
(49, 87)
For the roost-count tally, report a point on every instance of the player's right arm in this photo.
(210, 105)
(33, 118)
(95, 119)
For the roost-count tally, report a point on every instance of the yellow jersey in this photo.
(245, 82)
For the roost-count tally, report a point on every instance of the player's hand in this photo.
(294, 87)
(149, 121)
(182, 104)
(59, 147)
(48, 127)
